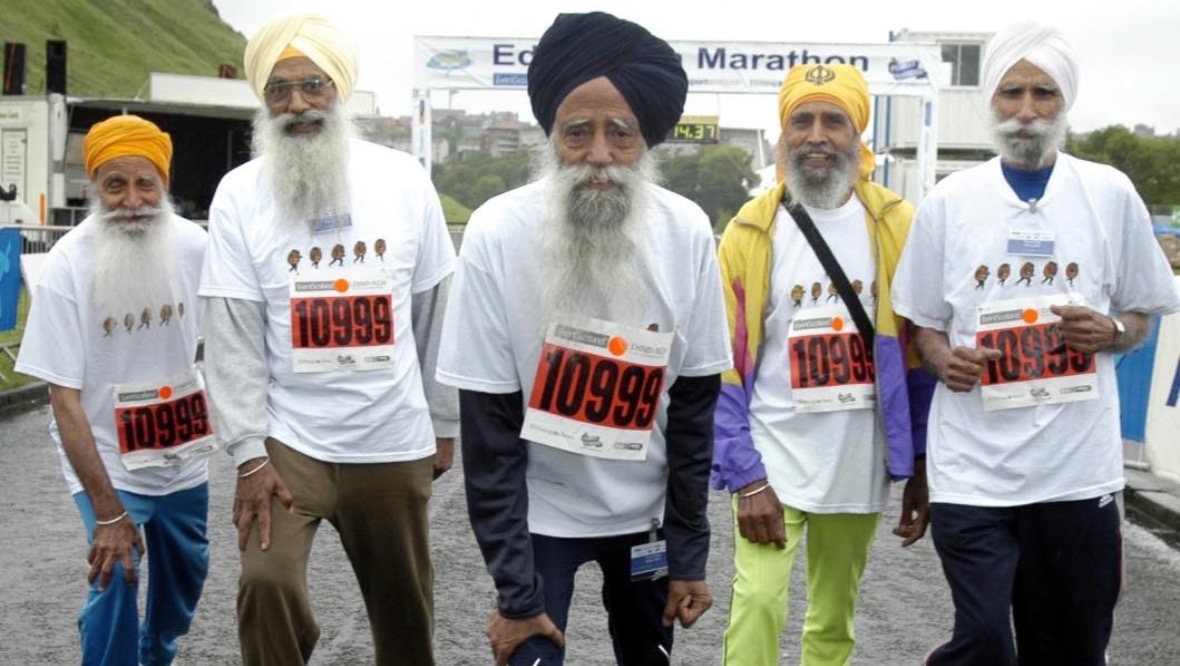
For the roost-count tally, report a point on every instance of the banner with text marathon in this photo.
(495, 63)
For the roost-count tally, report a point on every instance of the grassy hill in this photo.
(114, 44)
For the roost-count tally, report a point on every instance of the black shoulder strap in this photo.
(843, 286)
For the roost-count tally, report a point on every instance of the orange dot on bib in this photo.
(340, 285)
(837, 323)
(165, 392)
(617, 346)
(1029, 316)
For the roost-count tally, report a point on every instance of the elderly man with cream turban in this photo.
(586, 335)
(822, 408)
(322, 375)
(113, 332)
(1025, 455)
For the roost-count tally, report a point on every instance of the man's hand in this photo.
(1084, 329)
(961, 369)
(687, 600)
(113, 543)
(444, 455)
(507, 634)
(252, 499)
(760, 516)
(915, 507)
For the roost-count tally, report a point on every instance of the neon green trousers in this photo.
(837, 551)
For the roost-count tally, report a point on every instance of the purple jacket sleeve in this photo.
(921, 389)
(736, 463)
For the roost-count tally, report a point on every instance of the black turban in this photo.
(580, 47)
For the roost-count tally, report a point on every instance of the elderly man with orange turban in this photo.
(823, 408)
(321, 375)
(110, 332)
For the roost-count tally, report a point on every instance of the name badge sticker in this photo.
(331, 222)
(1031, 243)
(649, 561)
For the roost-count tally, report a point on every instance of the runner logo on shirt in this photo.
(1035, 366)
(597, 388)
(342, 324)
(831, 367)
(163, 425)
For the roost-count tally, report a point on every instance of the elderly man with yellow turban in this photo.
(110, 332)
(321, 374)
(1025, 452)
(586, 336)
(823, 407)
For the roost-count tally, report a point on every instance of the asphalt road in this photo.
(905, 607)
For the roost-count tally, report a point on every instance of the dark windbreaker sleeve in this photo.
(494, 462)
(689, 435)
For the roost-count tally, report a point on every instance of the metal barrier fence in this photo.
(37, 239)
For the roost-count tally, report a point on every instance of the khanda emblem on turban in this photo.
(820, 75)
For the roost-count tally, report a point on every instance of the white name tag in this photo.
(1031, 243)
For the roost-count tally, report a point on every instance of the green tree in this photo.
(1152, 163)
(717, 178)
(476, 176)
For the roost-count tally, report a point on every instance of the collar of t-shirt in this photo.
(1027, 185)
(822, 215)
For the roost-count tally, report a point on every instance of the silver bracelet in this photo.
(112, 521)
(255, 470)
(754, 492)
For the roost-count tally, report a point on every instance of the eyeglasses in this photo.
(311, 89)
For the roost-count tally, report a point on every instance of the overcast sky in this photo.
(1128, 51)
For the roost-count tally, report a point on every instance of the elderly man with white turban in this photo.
(1024, 454)
(108, 330)
(587, 336)
(321, 374)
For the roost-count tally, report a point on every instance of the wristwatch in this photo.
(1119, 331)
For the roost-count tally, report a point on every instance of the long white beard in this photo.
(827, 188)
(307, 174)
(590, 238)
(135, 261)
(1048, 136)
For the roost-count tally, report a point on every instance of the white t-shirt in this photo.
(397, 233)
(1103, 252)
(823, 462)
(493, 334)
(70, 343)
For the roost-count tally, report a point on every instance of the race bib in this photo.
(597, 388)
(831, 367)
(1035, 366)
(342, 324)
(161, 425)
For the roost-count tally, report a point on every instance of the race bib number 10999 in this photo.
(163, 424)
(342, 324)
(597, 388)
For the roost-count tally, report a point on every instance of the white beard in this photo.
(1048, 136)
(135, 261)
(826, 189)
(590, 238)
(307, 174)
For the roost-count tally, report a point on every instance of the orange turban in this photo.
(122, 136)
(842, 85)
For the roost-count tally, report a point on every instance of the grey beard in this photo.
(134, 260)
(307, 174)
(590, 238)
(826, 189)
(1048, 136)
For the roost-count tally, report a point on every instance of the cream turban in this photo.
(1042, 46)
(312, 35)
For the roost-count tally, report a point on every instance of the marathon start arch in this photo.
(501, 63)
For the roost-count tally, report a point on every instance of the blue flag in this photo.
(9, 277)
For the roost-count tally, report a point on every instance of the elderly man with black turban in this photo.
(1024, 452)
(586, 334)
(321, 376)
(129, 415)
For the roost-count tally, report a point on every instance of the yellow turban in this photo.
(122, 136)
(311, 35)
(841, 85)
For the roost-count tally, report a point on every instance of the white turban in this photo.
(312, 35)
(1042, 46)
